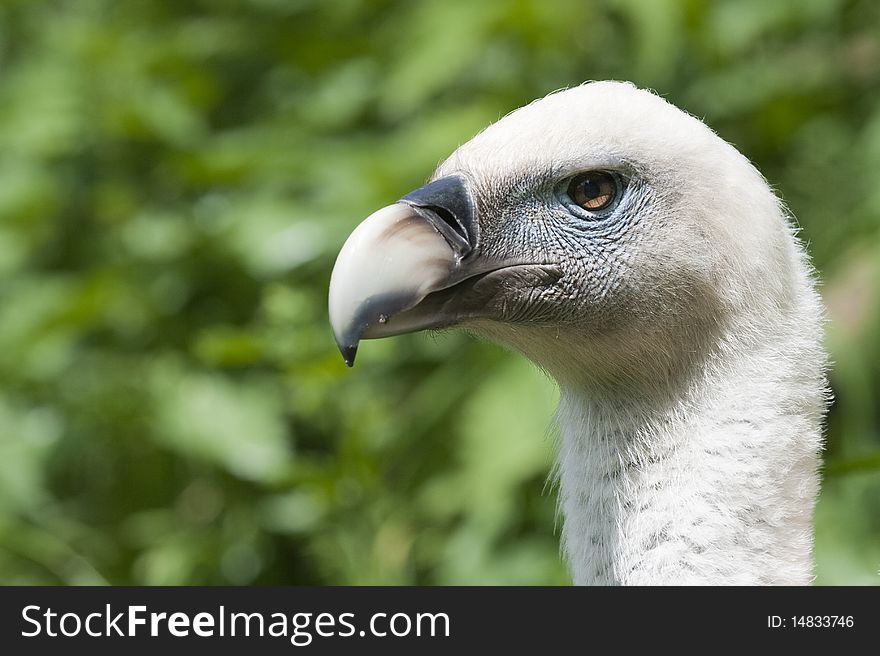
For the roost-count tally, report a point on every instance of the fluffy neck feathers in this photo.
(715, 485)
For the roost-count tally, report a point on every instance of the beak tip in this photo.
(348, 354)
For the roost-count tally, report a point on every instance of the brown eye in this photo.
(593, 191)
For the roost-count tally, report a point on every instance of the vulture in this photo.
(646, 265)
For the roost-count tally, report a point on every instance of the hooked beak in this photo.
(413, 265)
(395, 258)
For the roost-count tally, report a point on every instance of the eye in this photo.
(593, 191)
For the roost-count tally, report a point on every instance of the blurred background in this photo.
(176, 179)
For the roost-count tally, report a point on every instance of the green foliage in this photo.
(175, 180)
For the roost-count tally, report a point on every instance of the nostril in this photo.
(448, 225)
(451, 220)
(447, 203)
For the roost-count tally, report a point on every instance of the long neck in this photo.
(715, 487)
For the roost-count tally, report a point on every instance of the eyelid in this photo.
(569, 170)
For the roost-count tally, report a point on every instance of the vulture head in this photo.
(601, 231)
(623, 247)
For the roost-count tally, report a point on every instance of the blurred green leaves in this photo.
(175, 181)
(237, 426)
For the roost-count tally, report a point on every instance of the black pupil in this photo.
(590, 188)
